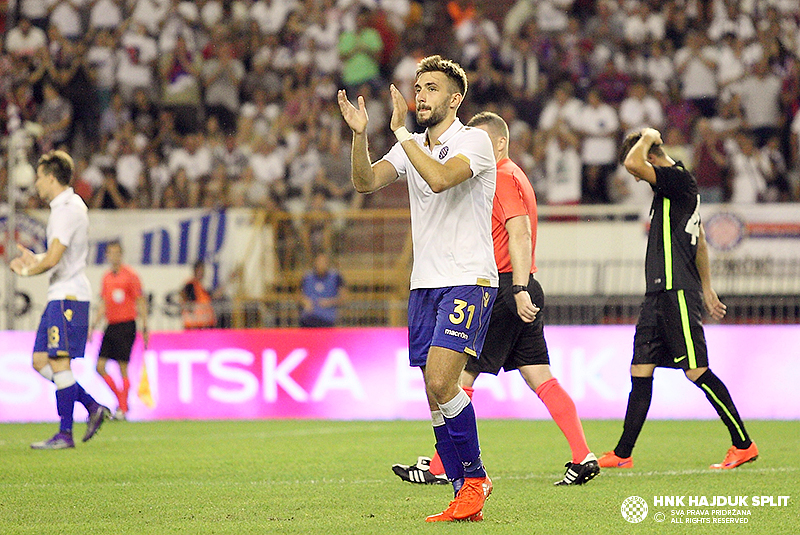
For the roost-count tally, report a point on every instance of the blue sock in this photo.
(65, 402)
(447, 452)
(459, 417)
(85, 399)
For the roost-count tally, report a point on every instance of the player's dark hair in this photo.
(496, 125)
(454, 72)
(630, 141)
(59, 164)
(114, 243)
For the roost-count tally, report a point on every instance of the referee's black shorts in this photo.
(510, 342)
(118, 341)
(669, 332)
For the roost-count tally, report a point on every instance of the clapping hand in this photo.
(356, 118)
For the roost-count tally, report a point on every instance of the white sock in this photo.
(453, 408)
(64, 379)
(437, 419)
(47, 372)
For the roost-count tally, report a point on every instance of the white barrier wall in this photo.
(162, 246)
(755, 249)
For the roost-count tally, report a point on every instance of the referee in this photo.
(121, 300)
(669, 332)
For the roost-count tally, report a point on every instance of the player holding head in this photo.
(451, 180)
(65, 321)
(669, 332)
(515, 339)
(121, 301)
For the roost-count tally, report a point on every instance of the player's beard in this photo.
(436, 116)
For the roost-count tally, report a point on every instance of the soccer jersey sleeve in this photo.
(675, 182)
(397, 157)
(62, 226)
(135, 285)
(476, 149)
(509, 202)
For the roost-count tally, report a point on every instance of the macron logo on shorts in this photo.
(459, 334)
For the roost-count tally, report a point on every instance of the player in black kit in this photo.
(669, 332)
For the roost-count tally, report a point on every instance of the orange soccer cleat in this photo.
(736, 457)
(447, 516)
(610, 460)
(469, 501)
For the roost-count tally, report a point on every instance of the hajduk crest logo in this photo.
(634, 509)
(443, 152)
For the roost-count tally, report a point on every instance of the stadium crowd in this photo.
(170, 104)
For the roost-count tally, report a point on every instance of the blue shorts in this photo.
(455, 318)
(63, 329)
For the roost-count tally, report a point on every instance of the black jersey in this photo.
(674, 230)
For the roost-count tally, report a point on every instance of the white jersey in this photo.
(452, 230)
(69, 222)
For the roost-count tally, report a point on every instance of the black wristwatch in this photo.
(517, 288)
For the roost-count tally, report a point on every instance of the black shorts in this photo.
(510, 342)
(669, 332)
(118, 341)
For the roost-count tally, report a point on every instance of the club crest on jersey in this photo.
(443, 152)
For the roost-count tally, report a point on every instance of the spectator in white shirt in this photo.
(194, 157)
(222, 77)
(696, 64)
(562, 167)
(562, 106)
(749, 169)
(271, 15)
(732, 21)
(231, 157)
(179, 21)
(322, 36)
(599, 125)
(129, 165)
(102, 61)
(761, 102)
(33, 10)
(65, 14)
(150, 13)
(179, 72)
(268, 162)
(304, 166)
(731, 67)
(640, 109)
(136, 61)
(25, 40)
(105, 15)
(643, 25)
(660, 68)
(55, 117)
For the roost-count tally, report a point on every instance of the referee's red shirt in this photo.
(513, 197)
(119, 293)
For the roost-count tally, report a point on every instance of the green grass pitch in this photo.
(308, 477)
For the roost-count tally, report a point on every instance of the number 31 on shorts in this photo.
(457, 316)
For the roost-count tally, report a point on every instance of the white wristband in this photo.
(402, 134)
